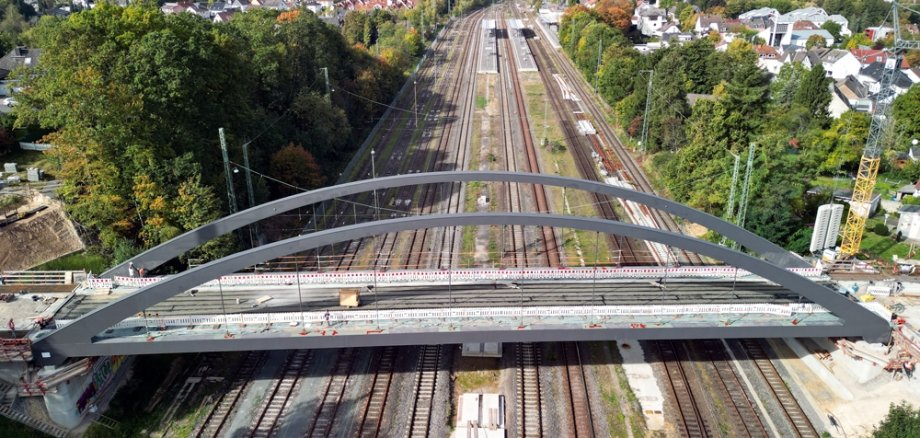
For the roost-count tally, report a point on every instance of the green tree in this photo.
(833, 28)
(906, 112)
(902, 421)
(786, 84)
(814, 92)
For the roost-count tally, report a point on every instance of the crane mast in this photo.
(861, 202)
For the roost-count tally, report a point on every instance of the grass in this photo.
(481, 102)
(10, 428)
(25, 159)
(9, 202)
(128, 405)
(75, 262)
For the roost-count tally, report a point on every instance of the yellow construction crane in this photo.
(872, 154)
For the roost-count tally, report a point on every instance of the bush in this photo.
(881, 229)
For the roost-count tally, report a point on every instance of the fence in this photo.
(35, 146)
(39, 277)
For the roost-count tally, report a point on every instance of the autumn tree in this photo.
(616, 13)
(295, 166)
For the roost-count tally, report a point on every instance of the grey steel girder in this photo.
(256, 342)
(170, 249)
(75, 339)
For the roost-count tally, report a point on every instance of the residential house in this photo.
(188, 7)
(854, 93)
(798, 38)
(876, 33)
(783, 25)
(706, 23)
(837, 63)
(769, 58)
(762, 13)
(909, 222)
(17, 57)
(650, 20)
(869, 56)
(313, 7)
(871, 76)
(223, 16)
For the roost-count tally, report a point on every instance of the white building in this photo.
(827, 227)
(480, 415)
(783, 25)
(909, 222)
(650, 20)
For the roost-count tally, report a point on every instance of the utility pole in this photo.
(374, 176)
(231, 194)
(742, 207)
(326, 75)
(545, 111)
(252, 196)
(643, 144)
(597, 67)
(730, 208)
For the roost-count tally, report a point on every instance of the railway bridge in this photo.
(773, 294)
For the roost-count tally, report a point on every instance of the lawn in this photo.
(75, 262)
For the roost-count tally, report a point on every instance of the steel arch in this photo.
(76, 338)
(168, 250)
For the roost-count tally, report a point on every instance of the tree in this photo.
(815, 41)
(814, 92)
(833, 28)
(902, 421)
(616, 13)
(745, 95)
(906, 112)
(857, 40)
(786, 84)
(296, 166)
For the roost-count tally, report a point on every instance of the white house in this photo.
(706, 23)
(837, 63)
(909, 222)
(783, 24)
(768, 59)
(759, 13)
(650, 20)
(871, 77)
(853, 93)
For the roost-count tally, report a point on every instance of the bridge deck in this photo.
(206, 301)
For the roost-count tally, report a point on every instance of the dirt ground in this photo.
(45, 236)
(832, 386)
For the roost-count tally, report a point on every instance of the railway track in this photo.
(450, 154)
(629, 166)
(407, 159)
(577, 392)
(274, 407)
(792, 412)
(529, 398)
(629, 255)
(425, 385)
(372, 419)
(216, 419)
(742, 411)
(325, 415)
(690, 421)
(550, 253)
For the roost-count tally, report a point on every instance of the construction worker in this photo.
(132, 272)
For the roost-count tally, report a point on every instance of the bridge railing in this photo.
(334, 278)
(155, 322)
